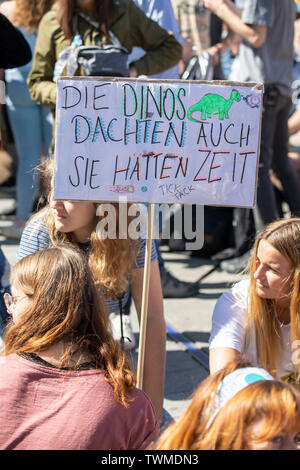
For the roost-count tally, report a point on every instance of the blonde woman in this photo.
(31, 124)
(259, 317)
(238, 408)
(69, 378)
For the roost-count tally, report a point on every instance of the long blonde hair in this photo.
(262, 323)
(28, 13)
(274, 402)
(111, 260)
(65, 306)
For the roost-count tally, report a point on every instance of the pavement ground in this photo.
(188, 320)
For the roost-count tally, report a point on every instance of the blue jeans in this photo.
(32, 131)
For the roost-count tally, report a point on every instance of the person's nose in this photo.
(260, 272)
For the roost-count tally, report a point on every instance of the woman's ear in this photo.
(8, 302)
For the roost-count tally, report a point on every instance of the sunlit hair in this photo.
(111, 260)
(262, 323)
(28, 13)
(103, 12)
(274, 402)
(65, 306)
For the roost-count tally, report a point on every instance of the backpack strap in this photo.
(122, 339)
(87, 17)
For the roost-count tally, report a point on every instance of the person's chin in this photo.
(60, 226)
(262, 291)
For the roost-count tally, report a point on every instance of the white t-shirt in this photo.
(228, 323)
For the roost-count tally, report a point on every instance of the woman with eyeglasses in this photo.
(65, 382)
(117, 265)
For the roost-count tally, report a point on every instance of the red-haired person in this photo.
(65, 382)
(238, 408)
(117, 265)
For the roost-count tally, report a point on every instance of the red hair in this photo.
(274, 402)
(65, 306)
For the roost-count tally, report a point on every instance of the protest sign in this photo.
(157, 141)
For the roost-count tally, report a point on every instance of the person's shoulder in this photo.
(231, 306)
(36, 229)
(9, 362)
(141, 398)
(241, 288)
(259, 12)
(237, 295)
(35, 236)
(38, 221)
(141, 403)
(142, 412)
(49, 21)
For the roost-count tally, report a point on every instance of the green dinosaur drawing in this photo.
(213, 104)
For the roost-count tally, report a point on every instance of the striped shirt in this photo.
(35, 237)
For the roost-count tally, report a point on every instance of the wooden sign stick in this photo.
(145, 296)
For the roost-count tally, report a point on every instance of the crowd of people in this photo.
(65, 328)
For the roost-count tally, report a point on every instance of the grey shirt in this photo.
(273, 62)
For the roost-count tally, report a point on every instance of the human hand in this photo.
(213, 5)
(214, 54)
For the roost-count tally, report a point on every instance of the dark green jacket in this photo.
(132, 28)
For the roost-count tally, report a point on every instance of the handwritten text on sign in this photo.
(157, 141)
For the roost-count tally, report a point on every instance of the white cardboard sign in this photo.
(157, 141)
